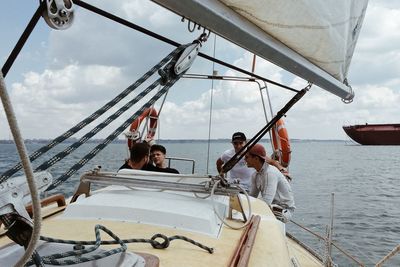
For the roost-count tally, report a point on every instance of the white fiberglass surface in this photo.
(176, 210)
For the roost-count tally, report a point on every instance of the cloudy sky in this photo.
(63, 76)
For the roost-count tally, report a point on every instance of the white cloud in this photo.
(88, 64)
(377, 56)
(58, 99)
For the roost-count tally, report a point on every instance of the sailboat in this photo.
(155, 219)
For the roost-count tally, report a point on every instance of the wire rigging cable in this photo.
(128, 24)
(211, 106)
(171, 42)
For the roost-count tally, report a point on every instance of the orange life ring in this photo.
(153, 117)
(282, 145)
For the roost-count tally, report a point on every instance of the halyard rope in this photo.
(90, 118)
(114, 134)
(19, 142)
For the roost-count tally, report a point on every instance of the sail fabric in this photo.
(324, 32)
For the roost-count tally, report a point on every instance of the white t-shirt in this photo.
(239, 171)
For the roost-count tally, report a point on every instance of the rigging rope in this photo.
(111, 137)
(47, 164)
(19, 142)
(90, 118)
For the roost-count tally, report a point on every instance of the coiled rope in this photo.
(75, 256)
(153, 241)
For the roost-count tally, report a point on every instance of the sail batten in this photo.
(314, 40)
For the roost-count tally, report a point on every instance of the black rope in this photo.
(76, 255)
(47, 164)
(24, 37)
(7, 174)
(240, 154)
(171, 42)
(152, 241)
(111, 137)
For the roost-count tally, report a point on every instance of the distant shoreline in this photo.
(119, 141)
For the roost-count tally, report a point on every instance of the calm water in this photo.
(365, 181)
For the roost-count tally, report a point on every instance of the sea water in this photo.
(364, 180)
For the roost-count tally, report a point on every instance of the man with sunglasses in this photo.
(240, 170)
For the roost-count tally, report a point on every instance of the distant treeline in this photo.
(73, 140)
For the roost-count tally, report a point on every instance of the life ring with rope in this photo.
(281, 143)
(152, 114)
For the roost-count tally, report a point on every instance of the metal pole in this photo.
(331, 228)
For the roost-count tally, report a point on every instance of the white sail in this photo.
(324, 32)
(312, 39)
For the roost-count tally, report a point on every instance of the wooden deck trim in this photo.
(243, 250)
(59, 198)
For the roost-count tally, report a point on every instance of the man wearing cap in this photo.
(240, 170)
(270, 182)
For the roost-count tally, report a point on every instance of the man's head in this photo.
(256, 156)
(238, 140)
(157, 153)
(139, 152)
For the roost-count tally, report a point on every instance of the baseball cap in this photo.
(258, 150)
(238, 136)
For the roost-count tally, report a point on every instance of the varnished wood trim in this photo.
(243, 250)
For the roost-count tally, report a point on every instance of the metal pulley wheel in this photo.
(59, 14)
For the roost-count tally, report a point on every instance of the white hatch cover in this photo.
(176, 210)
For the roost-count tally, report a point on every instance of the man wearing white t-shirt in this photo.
(240, 170)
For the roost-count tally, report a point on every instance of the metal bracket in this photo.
(59, 14)
(14, 193)
(236, 204)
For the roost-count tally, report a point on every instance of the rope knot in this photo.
(157, 244)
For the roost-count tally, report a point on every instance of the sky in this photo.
(60, 77)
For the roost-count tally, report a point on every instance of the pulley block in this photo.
(59, 14)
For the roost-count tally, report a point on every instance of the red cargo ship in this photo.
(374, 134)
